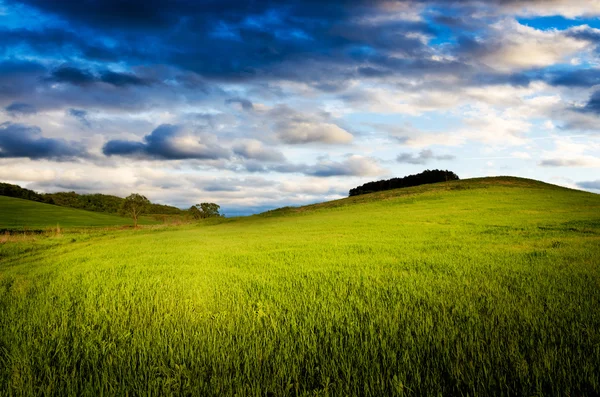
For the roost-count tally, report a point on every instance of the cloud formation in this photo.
(16, 109)
(255, 150)
(295, 128)
(19, 140)
(166, 142)
(425, 156)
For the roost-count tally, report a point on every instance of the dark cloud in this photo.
(72, 75)
(166, 142)
(575, 78)
(19, 78)
(593, 104)
(110, 14)
(226, 40)
(81, 77)
(245, 103)
(54, 42)
(20, 109)
(324, 44)
(80, 115)
(19, 140)
(424, 157)
(585, 33)
(122, 79)
(124, 148)
(220, 187)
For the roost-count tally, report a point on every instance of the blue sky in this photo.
(256, 105)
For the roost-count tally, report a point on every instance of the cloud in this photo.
(508, 41)
(121, 79)
(167, 142)
(593, 104)
(593, 185)
(300, 132)
(575, 78)
(72, 75)
(16, 109)
(244, 103)
(352, 166)
(81, 77)
(253, 149)
(424, 157)
(567, 8)
(19, 173)
(293, 127)
(19, 140)
(19, 77)
(81, 116)
(583, 161)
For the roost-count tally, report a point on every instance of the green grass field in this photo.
(475, 287)
(18, 213)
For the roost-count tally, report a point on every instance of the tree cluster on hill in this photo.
(6, 189)
(89, 202)
(425, 177)
(205, 210)
(105, 203)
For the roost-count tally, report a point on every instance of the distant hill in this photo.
(471, 186)
(6, 189)
(425, 177)
(90, 202)
(18, 213)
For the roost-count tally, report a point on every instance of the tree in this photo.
(195, 212)
(134, 205)
(205, 210)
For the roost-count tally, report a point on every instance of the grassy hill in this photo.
(19, 213)
(478, 287)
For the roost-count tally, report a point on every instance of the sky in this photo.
(262, 104)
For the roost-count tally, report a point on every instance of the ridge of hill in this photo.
(18, 213)
(424, 190)
(95, 202)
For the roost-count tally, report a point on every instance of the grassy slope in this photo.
(18, 213)
(477, 286)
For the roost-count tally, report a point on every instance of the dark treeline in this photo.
(89, 202)
(427, 176)
(6, 189)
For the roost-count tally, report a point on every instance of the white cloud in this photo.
(354, 165)
(568, 153)
(304, 131)
(583, 161)
(253, 149)
(18, 173)
(567, 8)
(513, 46)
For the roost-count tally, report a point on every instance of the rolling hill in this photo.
(486, 286)
(19, 213)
